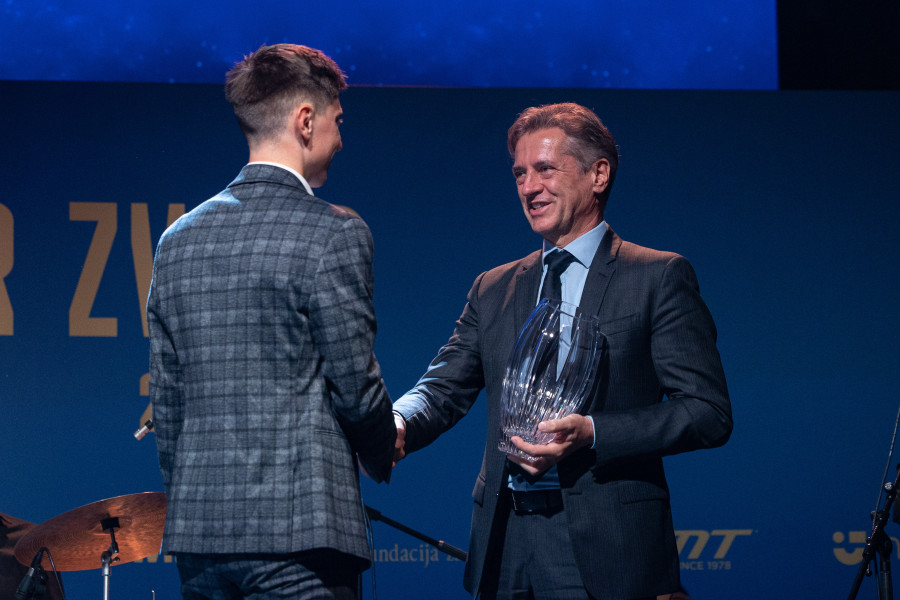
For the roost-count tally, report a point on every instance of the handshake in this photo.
(400, 442)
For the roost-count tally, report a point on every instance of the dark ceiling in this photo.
(830, 45)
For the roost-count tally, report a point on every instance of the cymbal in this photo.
(76, 538)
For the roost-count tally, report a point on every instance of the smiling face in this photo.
(558, 197)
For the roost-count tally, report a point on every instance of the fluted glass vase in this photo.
(550, 372)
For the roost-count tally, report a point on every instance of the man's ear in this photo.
(303, 119)
(600, 172)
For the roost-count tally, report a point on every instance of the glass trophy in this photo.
(550, 372)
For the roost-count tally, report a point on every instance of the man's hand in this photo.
(400, 442)
(571, 433)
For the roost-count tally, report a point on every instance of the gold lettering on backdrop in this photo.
(81, 323)
(142, 251)
(683, 536)
(702, 537)
(6, 265)
(728, 536)
(850, 557)
(154, 558)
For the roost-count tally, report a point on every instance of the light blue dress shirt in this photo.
(572, 279)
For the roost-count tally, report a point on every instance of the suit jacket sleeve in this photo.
(165, 373)
(687, 365)
(450, 386)
(343, 326)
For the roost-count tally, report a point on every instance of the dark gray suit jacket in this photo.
(661, 342)
(262, 376)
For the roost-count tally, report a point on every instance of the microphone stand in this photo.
(444, 547)
(879, 542)
(34, 584)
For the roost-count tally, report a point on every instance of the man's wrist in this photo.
(590, 419)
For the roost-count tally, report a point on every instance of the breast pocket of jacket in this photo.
(624, 332)
(621, 326)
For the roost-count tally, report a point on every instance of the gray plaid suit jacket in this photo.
(661, 341)
(262, 375)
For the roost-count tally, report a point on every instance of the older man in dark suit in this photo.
(264, 384)
(590, 516)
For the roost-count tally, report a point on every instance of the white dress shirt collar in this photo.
(286, 168)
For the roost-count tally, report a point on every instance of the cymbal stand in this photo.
(111, 555)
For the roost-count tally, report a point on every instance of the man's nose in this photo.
(531, 183)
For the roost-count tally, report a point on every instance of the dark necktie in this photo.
(557, 262)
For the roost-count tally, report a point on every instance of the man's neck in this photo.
(280, 151)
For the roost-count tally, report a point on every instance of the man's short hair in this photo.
(268, 84)
(588, 139)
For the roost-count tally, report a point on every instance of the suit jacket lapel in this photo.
(595, 287)
(600, 273)
(527, 282)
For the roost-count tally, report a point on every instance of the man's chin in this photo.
(548, 233)
(318, 181)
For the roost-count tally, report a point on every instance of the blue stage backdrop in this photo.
(786, 204)
(702, 44)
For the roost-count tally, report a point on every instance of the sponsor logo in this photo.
(850, 546)
(706, 550)
(422, 554)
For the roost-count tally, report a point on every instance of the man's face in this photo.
(325, 141)
(557, 196)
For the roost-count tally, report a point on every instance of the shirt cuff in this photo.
(594, 431)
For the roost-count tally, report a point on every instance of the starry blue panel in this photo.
(634, 44)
